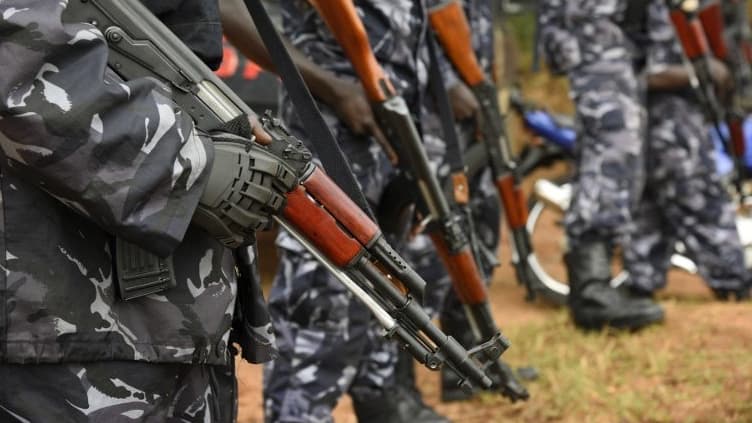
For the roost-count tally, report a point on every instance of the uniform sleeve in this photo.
(120, 153)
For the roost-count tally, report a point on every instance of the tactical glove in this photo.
(247, 185)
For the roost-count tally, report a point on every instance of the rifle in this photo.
(450, 24)
(445, 228)
(711, 17)
(316, 212)
(685, 17)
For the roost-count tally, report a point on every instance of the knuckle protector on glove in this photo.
(246, 185)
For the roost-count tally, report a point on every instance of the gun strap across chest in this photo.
(331, 156)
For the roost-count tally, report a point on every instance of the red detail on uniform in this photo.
(229, 62)
(251, 70)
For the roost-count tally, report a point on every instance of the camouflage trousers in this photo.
(609, 162)
(684, 200)
(117, 391)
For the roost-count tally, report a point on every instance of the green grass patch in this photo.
(685, 370)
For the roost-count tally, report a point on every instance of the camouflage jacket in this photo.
(86, 156)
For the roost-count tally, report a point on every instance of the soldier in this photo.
(684, 197)
(596, 44)
(329, 344)
(88, 158)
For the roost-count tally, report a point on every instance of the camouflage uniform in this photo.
(583, 39)
(329, 345)
(86, 156)
(684, 198)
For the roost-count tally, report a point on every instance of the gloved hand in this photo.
(247, 185)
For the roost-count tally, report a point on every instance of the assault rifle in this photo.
(316, 212)
(685, 17)
(445, 226)
(449, 22)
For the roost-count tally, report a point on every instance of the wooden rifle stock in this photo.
(466, 279)
(342, 19)
(321, 229)
(341, 207)
(449, 22)
(513, 199)
(711, 18)
(691, 35)
(736, 133)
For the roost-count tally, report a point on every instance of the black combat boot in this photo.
(377, 406)
(737, 294)
(401, 403)
(593, 302)
(416, 411)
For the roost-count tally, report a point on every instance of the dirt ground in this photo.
(695, 367)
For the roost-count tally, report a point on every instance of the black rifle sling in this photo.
(331, 156)
(454, 155)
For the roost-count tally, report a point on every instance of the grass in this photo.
(686, 370)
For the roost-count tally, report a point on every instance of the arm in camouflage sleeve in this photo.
(119, 153)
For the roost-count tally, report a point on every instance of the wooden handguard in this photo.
(711, 18)
(466, 279)
(320, 228)
(345, 24)
(691, 35)
(513, 200)
(736, 130)
(449, 22)
(349, 215)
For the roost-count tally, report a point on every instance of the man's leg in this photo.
(647, 255)
(692, 197)
(321, 334)
(607, 186)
